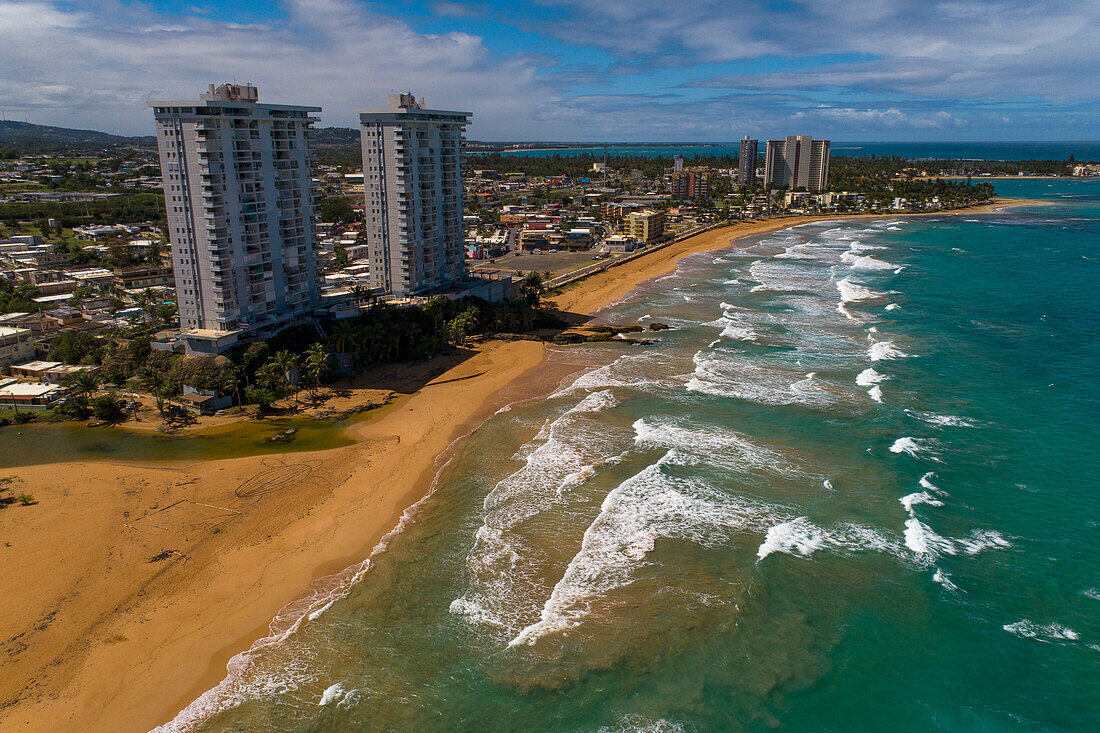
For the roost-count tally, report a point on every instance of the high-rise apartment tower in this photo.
(239, 199)
(797, 161)
(746, 162)
(412, 178)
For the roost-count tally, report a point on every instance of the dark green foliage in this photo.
(342, 257)
(337, 209)
(107, 407)
(531, 288)
(73, 348)
(16, 297)
(137, 207)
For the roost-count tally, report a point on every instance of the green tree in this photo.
(288, 366)
(84, 382)
(316, 365)
(531, 288)
(342, 257)
(107, 407)
(72, 348)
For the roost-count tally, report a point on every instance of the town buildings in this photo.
(798, 161)
(691, 183)
(412, 177)
(746, 162)
(238, 192)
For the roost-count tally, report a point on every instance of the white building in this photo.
(412, 177)
(239, 198)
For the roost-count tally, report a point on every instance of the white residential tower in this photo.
(239, 198)
(412, 179)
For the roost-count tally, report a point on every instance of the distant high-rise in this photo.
(746, 163)
(412, 178)
(797, 161)
(239, 199)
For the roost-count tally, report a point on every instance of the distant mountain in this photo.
(28, 137)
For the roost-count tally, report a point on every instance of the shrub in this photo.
(106, 407)
(26, 500)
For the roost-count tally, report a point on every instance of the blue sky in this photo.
(615, 70)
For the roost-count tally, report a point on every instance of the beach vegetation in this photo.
(107, 407)
(26, 500)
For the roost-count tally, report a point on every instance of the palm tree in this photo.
(360, 293)
(341, 337)
(83, 382)
(157, 384)
(316, 365)
(287, 363)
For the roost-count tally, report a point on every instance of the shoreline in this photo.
(153, 636)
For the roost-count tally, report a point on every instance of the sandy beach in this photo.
(130, 587)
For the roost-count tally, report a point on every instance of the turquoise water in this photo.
(853, 488)
(1051, 150)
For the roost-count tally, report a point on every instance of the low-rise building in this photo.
(16, 345)
(618, 244)
(144, 276)
(29, 396)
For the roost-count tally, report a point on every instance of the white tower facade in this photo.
(240, 204)
(412, 181)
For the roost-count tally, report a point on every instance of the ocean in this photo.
(1050, 150)
(852, 488)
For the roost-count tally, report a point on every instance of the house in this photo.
(29, 396)
(206, 401)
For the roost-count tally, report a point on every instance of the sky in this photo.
(578, 70)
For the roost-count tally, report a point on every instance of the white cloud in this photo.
(890, 67)
(79, 67)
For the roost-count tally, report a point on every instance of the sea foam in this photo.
(909, 446)
(869, 377)
(919, 497)
(881, 350)
(1042, 632)
(649, 505)
(851, 292)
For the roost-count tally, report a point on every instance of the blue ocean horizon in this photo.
(1087, 150)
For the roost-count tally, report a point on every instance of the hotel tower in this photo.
(239, 198)
(797, 161)
(412, 180)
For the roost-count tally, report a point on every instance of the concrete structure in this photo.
(645, 226)
(16, 345)
(412, 176)
(746, 165)
(239, 199)
(691, 184)
(618, 244)
(798, 161)
(29, 396)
